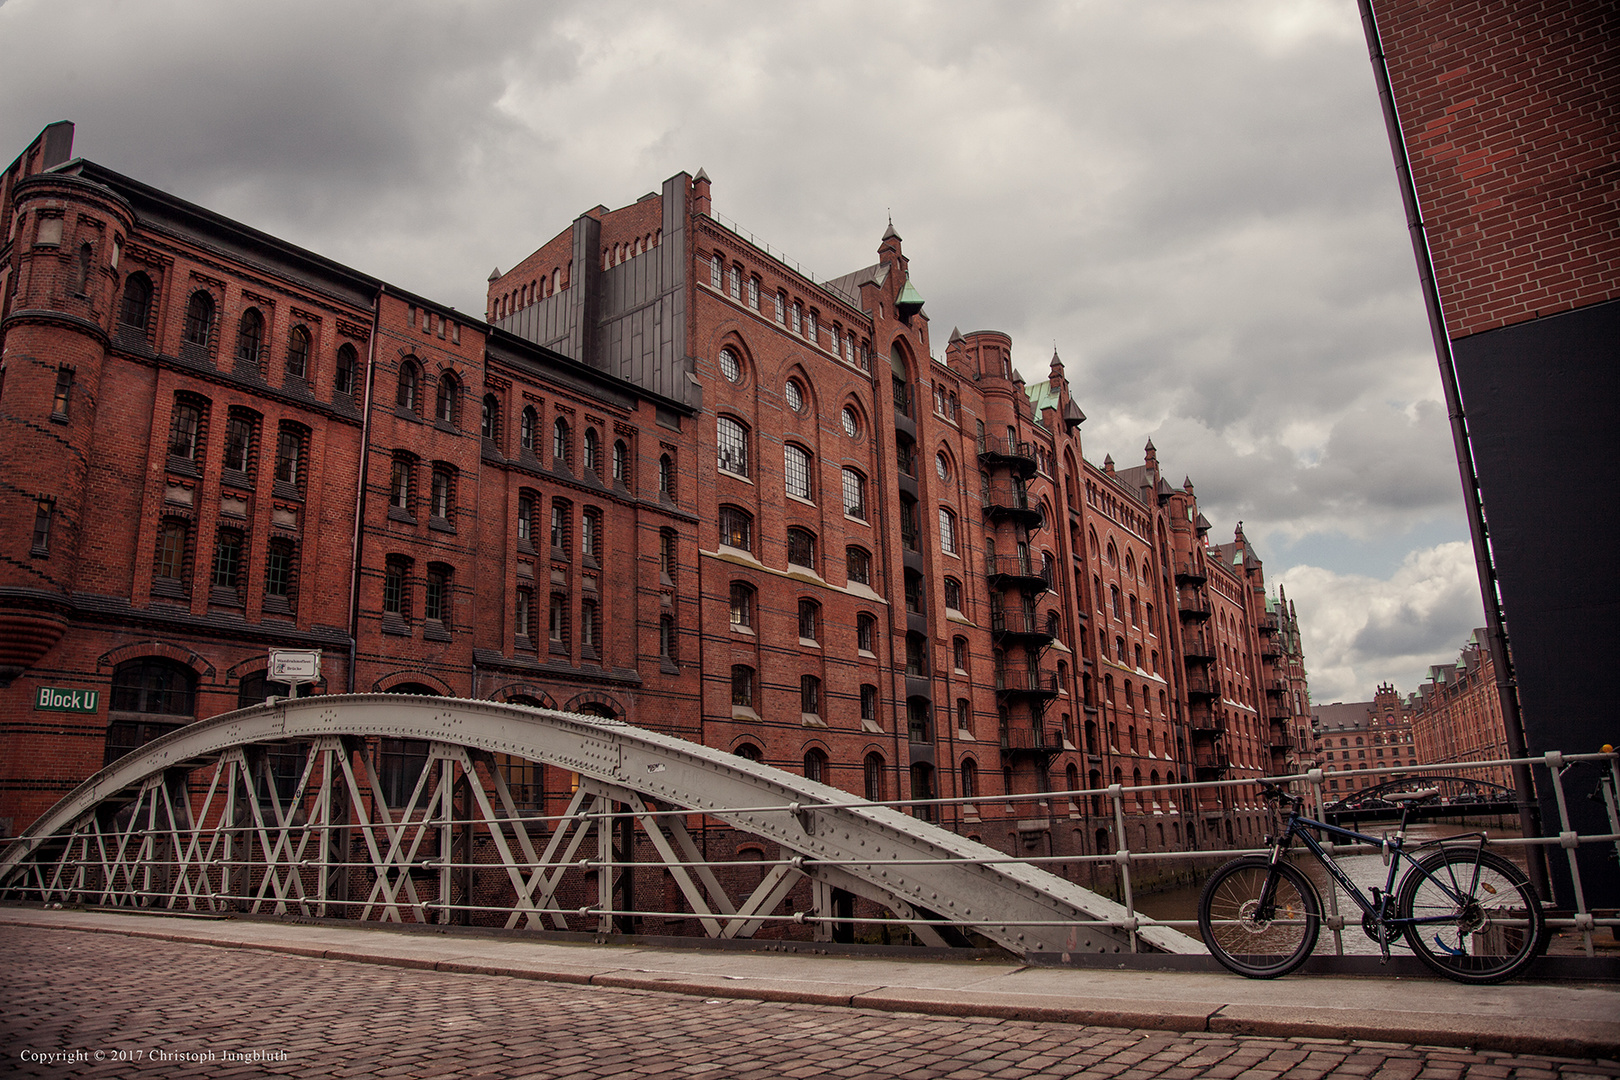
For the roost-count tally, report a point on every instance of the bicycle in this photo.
(1467, 913)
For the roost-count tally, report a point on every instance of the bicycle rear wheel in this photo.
(1260, 942)
(1480, 921)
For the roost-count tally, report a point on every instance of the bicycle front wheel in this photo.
(1248, 934)
(1475, 917)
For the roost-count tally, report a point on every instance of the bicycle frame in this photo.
(1379, 907)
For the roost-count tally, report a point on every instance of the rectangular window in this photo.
(859, 565)
(809, 616)
(732, 445)
(441, 494)
(525, 514)
(666, 557)
(666, 637)
(801, 548)
(590, 534)
(238, 443)
(865, 627)
(854, 494)
(557, 628)
(736, 283)
(753, 293)
(64, 392)
(227, 559)
(953, 594)
(43, 511)
(796, 467)
(437, 605)
(742, 604)
(172, 551)
(947, 531)
(393, 600)
(289, 448)
(183, 427)
(278, 569)
(781, 305)
(869, 704)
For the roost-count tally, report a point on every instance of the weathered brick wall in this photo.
(1511, 113)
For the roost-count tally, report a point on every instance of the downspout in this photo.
(360, 489)
(1495, 630)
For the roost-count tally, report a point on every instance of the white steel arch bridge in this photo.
(193, 821)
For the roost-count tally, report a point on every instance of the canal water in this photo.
(1366, 871)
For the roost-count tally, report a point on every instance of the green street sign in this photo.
(56, 699)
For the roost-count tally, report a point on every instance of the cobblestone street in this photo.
(81, 1004)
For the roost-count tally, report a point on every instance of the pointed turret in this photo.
(1108, 464)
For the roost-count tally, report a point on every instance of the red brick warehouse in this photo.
(671, 479)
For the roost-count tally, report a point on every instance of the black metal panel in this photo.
(1542, 399)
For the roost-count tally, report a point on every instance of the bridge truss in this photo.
(196, 821)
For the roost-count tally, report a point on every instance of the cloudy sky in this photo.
(1192, 200)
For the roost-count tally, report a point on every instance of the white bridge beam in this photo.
(161, 851)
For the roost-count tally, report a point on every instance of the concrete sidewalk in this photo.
(1581, 1020)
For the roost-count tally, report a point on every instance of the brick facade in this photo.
(672, 479)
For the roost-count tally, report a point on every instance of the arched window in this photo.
(526, 425)
(409, 394)
(249, 337)
(151, 696)
(858, 562)
(749, 752)
(742, 686)
(443, 490)
(801, 548)
(298, 353)
(876, 787)
(732, 446)
(796, 469)
(922, 789)
(854, 494)
(621, 463)
(490, 420)
(970, 778)
(666, 476)
(593, 453)
(81, 280)
(809, 620)
(199, 319)
(444, 405)
(343, 372)
(742, 604)
(137, 305)
(736, 528)
(561, 444)
(810, 695)
(865, 632)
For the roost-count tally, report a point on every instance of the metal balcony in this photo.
(1004, 501)
(1205, 722)
(1019, 570)
(1269, 623)
(1202, 685)
(1031, 742)
(1028, 627)
(1197, 649)
(1026, 683)
(1190, 571)
(1193, 607)
(1211, 766)
(1011, 453)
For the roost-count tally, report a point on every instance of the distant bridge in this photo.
(1460, 797)
(194, 821)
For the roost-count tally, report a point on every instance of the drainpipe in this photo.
(1495, 630)
(360, 489)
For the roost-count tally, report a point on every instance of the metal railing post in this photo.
(1122, 856)
(1335, 920)
(1569, 841)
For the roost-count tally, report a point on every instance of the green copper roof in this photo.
(1042, 396)
(909, 296)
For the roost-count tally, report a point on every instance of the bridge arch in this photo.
(198, 819)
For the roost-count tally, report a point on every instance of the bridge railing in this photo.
(441, 855)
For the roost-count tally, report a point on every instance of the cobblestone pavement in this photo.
(102, 1005)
